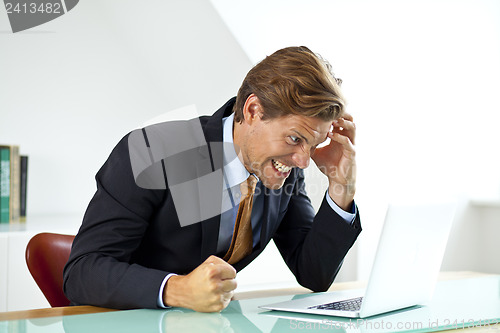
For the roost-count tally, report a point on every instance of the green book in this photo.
(4, 185)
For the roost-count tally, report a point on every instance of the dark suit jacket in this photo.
(131, 238)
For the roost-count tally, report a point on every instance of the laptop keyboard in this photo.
(353, 304)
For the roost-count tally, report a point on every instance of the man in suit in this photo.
(145, 243)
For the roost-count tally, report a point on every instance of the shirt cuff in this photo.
(162, 287)
(347, 216)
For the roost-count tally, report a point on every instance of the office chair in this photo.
(46, 255)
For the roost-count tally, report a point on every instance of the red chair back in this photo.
(46, 255)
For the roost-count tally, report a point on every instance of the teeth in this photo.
(281, 167)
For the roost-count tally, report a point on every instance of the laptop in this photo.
(404, 272)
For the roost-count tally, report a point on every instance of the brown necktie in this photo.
(242, 241)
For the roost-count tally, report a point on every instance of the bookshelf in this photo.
(13, 184)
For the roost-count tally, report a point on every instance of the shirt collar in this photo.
(234, 171)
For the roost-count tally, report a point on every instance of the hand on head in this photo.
(337, 161)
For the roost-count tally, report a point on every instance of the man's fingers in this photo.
(214, 260)
(227, 271)
(228, 285)
(226, 297)
(343, 140)
(220, 269)
(347, 116)
(208, 288)
(345, 124)
(345, 127)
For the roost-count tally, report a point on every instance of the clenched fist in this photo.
(208, 288)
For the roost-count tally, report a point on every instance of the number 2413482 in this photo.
(32, 8)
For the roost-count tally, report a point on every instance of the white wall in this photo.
(422, 80)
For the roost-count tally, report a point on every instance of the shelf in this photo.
(61, 223)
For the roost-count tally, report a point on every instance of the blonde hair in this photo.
(292, 81)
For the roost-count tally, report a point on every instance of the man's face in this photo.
(274, 146)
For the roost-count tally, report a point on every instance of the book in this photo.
(11, 180)
(24, 187)
(4, 185)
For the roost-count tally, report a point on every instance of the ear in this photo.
(252, 110)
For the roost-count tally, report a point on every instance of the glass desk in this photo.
(465, 303)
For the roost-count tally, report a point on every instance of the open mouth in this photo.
(283, 168)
